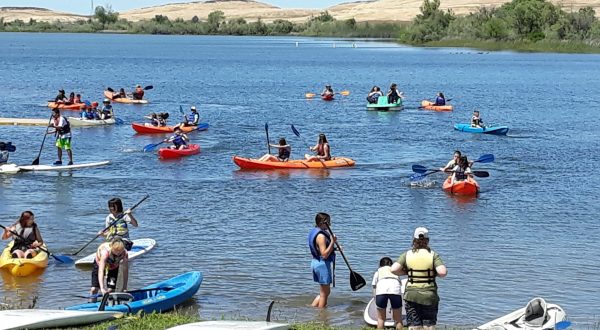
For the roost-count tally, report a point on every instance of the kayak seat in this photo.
(119, 298)
(535, 313)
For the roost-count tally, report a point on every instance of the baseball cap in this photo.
(421, 231)
(193, 107)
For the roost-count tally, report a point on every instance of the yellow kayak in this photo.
(22, 267)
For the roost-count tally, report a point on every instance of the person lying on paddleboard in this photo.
(5, 148)
(61, 97)
(179, 139)
(138, 94)
(28, 229)
(374, 94)
(120, 228)
(394, 94)
(462, 170)
(476, 120)
(321, 148)
(387, 287)
(107, 110)
(283, 155)
(327, 91)
(62, 130)
(193, 119)
(322, 244)
(109, 257)
(440, 99)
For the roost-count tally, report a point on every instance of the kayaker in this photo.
(77, 99)
(321, 244)
(462, 170)
(62, 130)
(138, 94)
(440, 99)
(121, 94)
(109, 257)
(387, 287)
(374, 95)
(107, 110)
(120, 227)
(453, 162)
(422, 265)
(28, 229)
(322, 149)
(88, 113)
(71, 99)
(327, 91)
(394, 94)
(179, 139)
(193, 119)
(61, 97)
(476, 120)
(283, 155)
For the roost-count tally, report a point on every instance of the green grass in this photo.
(147, 322)
(519, 46)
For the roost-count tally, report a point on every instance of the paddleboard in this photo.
(62, 167)
(140, 246)
(9, 169)
(228, 325)
(24, 121)
(370, 313)
(49, 318)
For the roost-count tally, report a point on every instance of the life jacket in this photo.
(195, 118)
(421, 270)
(284, 153)
(88, 115)
(112, 262)
(28, 233)
(64, 129)
(312, 244)
(178, 140)
(118, 229)
(459, 175)
(440, 101)
(385, 272)
(475, 121)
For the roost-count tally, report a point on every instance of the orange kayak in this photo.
(149, 129)
(467, 187)
(428, 105)
(110, 95)
(255, 164)
(74, 106)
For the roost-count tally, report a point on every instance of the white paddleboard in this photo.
(228, 325)
(140, 246)
(62, 167)
(370, 314)
(9, 169)
(49, 318)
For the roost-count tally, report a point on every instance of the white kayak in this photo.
(62, 167)
(9, 169)
(79, 122)
(228, 325)
(140, 246)
(537, 314)
(370, 313)
(49, 318)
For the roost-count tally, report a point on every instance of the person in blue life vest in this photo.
(192, 119)
(62, 131)
(89, 112)
(179, 139)
(26, 246)
(422, 265)
(106, 112)
(387, 287)
(5, 148)
(440, 99)
(120, 228)
(283, 155)
(110, 256)
(321, 244)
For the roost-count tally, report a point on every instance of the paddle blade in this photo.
(419, 168)
(62, 259)
(36, 161)
(345, 93)
(356, 281)
(562, 325)
(151, 146)
(295, 131)
(310, 95)
(119, 121)
(201, 127)
(148, 87)
(481, 174)
(181, 110)
(487, 158)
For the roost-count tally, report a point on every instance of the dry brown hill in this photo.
(10, 14)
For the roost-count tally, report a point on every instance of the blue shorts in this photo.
(418, 315)
(381, 300)
(321, 271)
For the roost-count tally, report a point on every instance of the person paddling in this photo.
(193, 119)
(120, 227)
(283, 155)
(107, 110)
(5, 148)
(321, 244)
(476, 120)
(453, 162)
(179, 139)
(328, 91)
(321, 148)
(387, 287)
(26, 246)
(138, 94)
(109, 257)
(440, 99)
(61, 97)
(62, 130)
(462, 170)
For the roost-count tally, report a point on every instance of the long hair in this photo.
(322, 218)
(26, 215)
(420, 243)
(282, 141)
(116, 203)
(322, 138)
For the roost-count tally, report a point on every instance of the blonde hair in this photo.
(117, 243)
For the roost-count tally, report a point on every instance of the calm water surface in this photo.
(532, 232)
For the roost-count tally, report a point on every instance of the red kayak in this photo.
(167, 153)
(328, 97)
(149, 129)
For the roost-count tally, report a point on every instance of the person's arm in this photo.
(440, 268)
(125, 265)
(101, 270)
(374, 283)
(133, 220)
(325, 249)
(185, 138)
(39, 241)
(7, 232)
(397, 269)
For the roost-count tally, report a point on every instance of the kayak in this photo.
(494, 130)
(24, 121)
(80, 122)
(22, 267)
(110, 95)
(233, 325)
(328, 97)
(148, 128)
(255, 164)
(467, 187)
(537, 314)
(428, 105)
(51, 318)
(383, 105)
(62, 106)
(140, 247)
(370, 313)
(158, 297)
(168, 153)
(61, 167)
(9, 169)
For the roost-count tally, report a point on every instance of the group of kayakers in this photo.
(393, 94)
(137, 94)
(62, 98)
(91, 111)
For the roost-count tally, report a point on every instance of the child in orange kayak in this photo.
(283, 155)
(462, 170)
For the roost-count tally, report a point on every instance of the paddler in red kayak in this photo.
(321, 148)
(283, 155)
(453, 162)
(109, 257)
(179, 139)
(462, 170)
(328, 91)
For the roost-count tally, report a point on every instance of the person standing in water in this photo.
(321, 244)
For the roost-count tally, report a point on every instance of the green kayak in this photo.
(383, 105)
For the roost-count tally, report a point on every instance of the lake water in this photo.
(532, 231)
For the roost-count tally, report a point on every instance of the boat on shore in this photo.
(536, 315)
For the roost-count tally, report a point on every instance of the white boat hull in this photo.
(9, 169)
(47, 318)
(78, 122)
(140, 247)
(517, 321)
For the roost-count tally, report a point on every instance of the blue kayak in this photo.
(158, 297)
(495, 130)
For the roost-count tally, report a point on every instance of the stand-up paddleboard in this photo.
(233, 325)
(24, 121)
(140, 246)
(370, 314)
(61, 167)
(9, 169)
(49, 318)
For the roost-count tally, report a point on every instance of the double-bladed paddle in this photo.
(98, 295)
(111, 224)
(151, 146)
(311, 95)
(298, 135)
(61, 259)
(421, 170)
(356, 281)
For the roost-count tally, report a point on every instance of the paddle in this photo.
(311, 95)
(422, 169)
(268, 141)
(37, 160)
(111, 224)
(166, 288)
(562, 325)
(356, 281)
(61, 259)
(298, 135)
(486, 158)
(151, 146)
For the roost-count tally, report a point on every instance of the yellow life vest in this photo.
(386, 272)
(420, 268)
(118, 229)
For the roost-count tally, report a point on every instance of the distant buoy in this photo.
(334, 45)
(296, 43)
(353, 45)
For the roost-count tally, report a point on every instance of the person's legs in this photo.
(396, 302)
(95, 284)
(30, 254)
(324, 292)
(59, 151)
(18, 254)
(380, 318)
(429, 316)
(413, 317)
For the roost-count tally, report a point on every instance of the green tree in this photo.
(105, 15)
(214, 21)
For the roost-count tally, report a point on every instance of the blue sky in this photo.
(84, 6)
